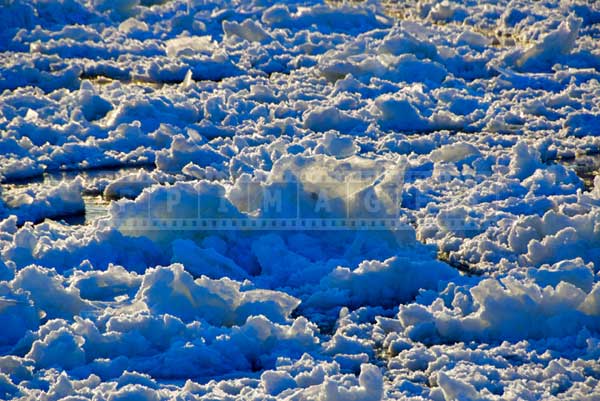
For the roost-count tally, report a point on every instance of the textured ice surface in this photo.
(299, 200)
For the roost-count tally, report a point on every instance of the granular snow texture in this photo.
(304, 201)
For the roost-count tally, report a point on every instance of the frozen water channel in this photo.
(323, 201)
(95, 202)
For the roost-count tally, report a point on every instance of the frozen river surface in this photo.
(255, 200)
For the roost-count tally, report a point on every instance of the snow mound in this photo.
(505, 309)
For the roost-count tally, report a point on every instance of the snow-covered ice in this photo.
(302, 200)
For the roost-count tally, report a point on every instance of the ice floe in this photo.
(299, 201)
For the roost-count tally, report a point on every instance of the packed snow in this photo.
(333, 201)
